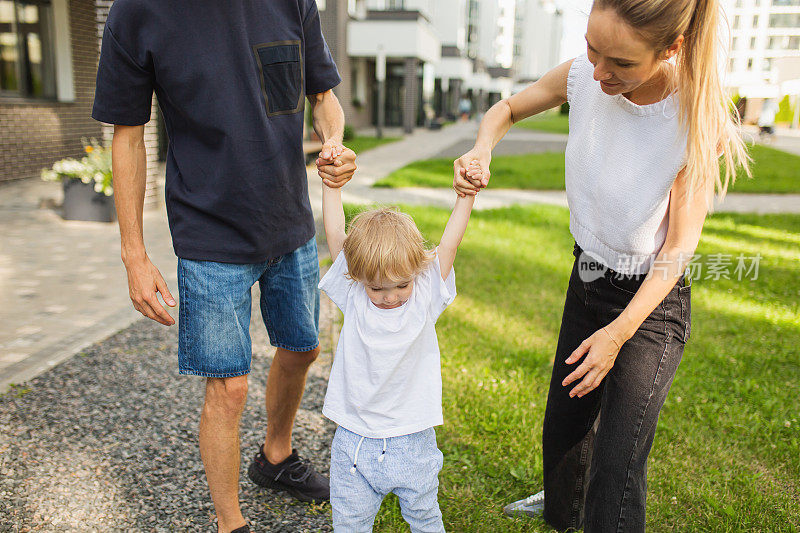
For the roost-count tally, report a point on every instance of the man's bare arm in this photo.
(129, 168)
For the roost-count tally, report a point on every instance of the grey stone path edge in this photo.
(107, 441)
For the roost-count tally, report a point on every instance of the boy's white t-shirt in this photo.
(386, 379)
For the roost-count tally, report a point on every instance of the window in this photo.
(735, 43)
(731, 65)
(26, 49)
(755, 21)
(752, 43)
(736, 21)
(750, 63)
(784, 42)
(784, 20)
(786, 2)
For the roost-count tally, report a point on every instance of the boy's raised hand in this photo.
(474, 172)
(462, 183)
(336, 163)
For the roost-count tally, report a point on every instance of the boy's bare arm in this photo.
(333, 219)
(453, 233)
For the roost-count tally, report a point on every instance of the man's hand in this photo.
(336, 163)
(144, 282)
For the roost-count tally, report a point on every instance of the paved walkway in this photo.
(63, 286)
(784, 139)
(62, 283)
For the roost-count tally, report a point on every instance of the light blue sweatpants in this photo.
(364, 471)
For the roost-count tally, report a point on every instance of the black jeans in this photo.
(595, 448)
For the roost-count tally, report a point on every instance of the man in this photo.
(230, 79)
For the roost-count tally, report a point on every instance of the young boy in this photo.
(385, 388)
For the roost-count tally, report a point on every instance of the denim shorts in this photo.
(215, 303)
(364, 471)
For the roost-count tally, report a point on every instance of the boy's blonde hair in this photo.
(385, 245)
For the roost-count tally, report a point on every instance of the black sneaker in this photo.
(294, 475)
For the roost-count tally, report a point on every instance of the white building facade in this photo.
(764, 60)
(537, 40)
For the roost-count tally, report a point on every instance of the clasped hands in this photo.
(336, 163)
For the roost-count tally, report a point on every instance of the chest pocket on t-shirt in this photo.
(280, 65)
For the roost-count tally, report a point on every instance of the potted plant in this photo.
(88, 191)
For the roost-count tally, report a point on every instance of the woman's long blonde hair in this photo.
(705, 107)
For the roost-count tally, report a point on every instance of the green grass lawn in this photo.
(362, 143)
(530, 171)
(549, 122)
(774, 171)
(726, 455)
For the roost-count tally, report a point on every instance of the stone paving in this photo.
(62, 283)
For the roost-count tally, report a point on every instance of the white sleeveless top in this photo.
(621, 162)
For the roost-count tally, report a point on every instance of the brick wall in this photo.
(34, 134)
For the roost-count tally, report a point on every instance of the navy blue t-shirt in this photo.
(231, 79)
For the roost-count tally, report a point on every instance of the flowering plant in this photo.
(94, 167)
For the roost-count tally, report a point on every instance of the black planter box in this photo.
(81, 202)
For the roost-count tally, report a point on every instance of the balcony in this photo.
(402, 33)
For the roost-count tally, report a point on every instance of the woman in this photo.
(648, 122)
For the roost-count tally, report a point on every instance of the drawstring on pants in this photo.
(383, 453)
(355, 460)
(358, 449)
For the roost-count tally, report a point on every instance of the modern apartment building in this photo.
(496, 32)
(495, 50)
(764, 61)
(537, 39)
(392, 36)
(455, 68)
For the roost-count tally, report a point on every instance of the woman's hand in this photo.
(470, 182)
(601, 351)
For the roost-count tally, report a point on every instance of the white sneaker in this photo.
(533, 505)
